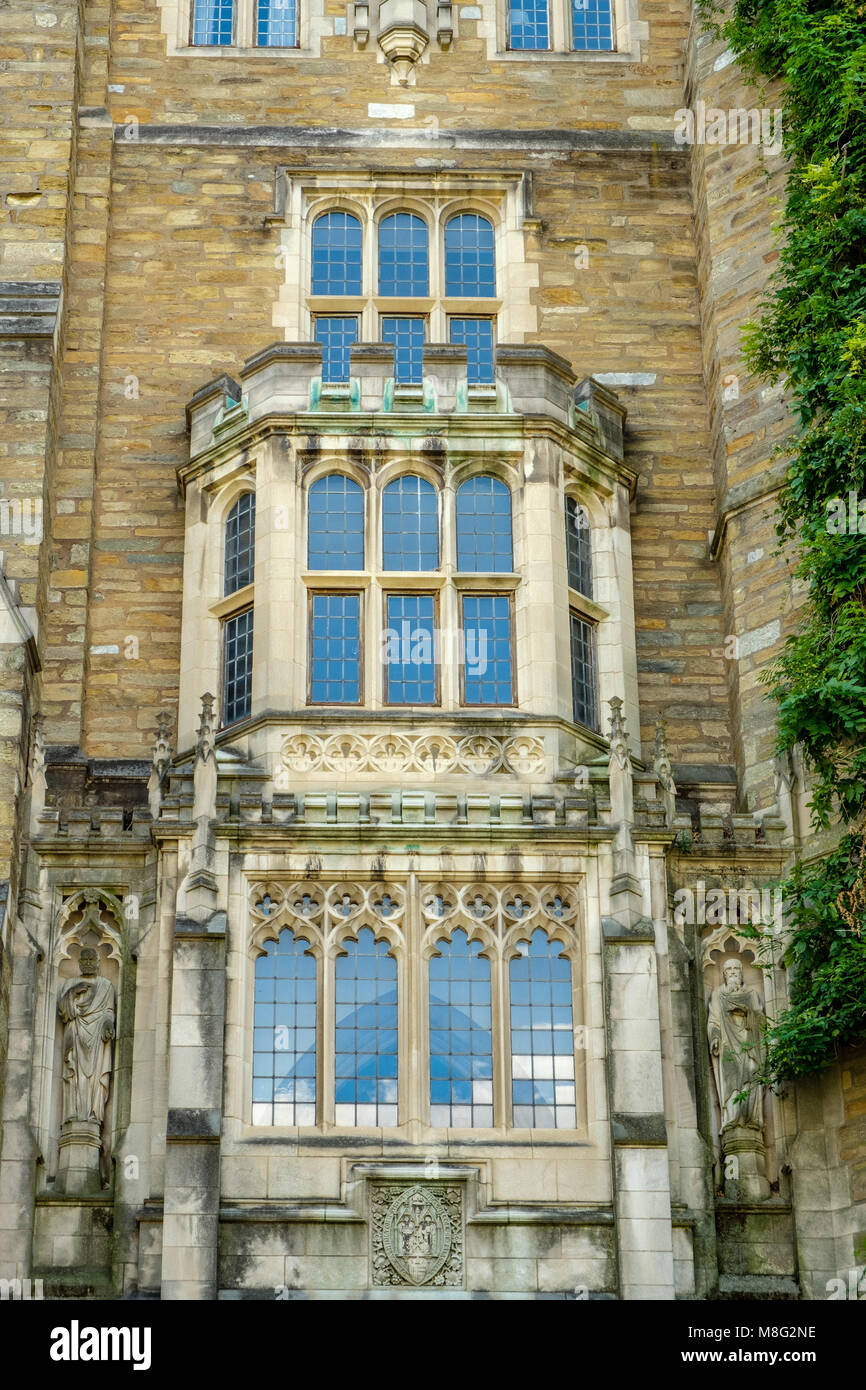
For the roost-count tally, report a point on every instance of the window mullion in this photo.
(414, 1041)
(326, 1045)
(501, 1041)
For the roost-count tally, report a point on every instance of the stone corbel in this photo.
(403, 37)
(444, 25)
(361, 24)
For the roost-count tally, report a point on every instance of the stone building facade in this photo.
(388, 567)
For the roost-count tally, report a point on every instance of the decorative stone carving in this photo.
(416, 1235)
(664, 773)
(86, 1007)
(403, 36)
(735, 1035)
(482, 755)
(161, 760)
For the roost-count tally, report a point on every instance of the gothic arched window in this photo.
(335, 527)
(284, 1034)
(336, 253)
(461, 1037)
(240, 544)
(542, 1036)
(237, 628)
(484, 526)
(470, 258)
(403, 256)
(528, 24)
(578, 544)
(410, 525)
(366, 1033)
(213, 22)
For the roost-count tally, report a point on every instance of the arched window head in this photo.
(403, 255)
(284, 1034)
(484, 526)
(461, 1037)
(578, 544)
(542, 1036)
(335, 528)
(470, 258)
(410, 525)
(240, 543)
(366, 1033)
(336, 254)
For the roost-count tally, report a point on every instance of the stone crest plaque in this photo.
(416, 1234)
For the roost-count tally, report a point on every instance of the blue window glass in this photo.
(277, 23)
(578, 547)
(335, 535)
(366, 1033)
(484, 526)
(240, 546)
(476, 335)
(407, 335)
(410, 525)
(583, 677)
(470, 259)
(542, 1036)
(528, 24)
(336, 253)
(335, 649)
(591, 25)
(486, 653)
(403, 258)
(237, 666)
(461, 1037)
(336, 334)
(408, 650)
(284, 1034)
(212, 21)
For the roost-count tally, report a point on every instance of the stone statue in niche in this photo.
(86, 1007)
(735, 1034)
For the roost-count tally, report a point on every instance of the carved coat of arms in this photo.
(417, 1236)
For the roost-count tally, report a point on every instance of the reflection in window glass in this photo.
(403, 261)
(366, 1033)
(487, 649)
(336, 524)
(335, 649)
(470, 261)
(542, 1036)
(336, 333)
(583, 678)
(528, 24)
(212, 22)
(476, 335)
(277, 23)
(407, 335)
(461, 1037)
(284, 1034)
(410, 525)
(591, 25)
(240, 544)
(408, 650)
(484, 526)
(237, 666)
(578, 545)
(336, 254)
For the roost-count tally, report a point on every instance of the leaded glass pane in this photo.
(237, 666)
(470, 258)
(410, 525)
(277, 23)
(212, 22)
(542, 1036)
(403, 258)
(461, 1037)
(408, 650)
(335, 649)
(284, 1034)
(336, 333)
(583, 676)
(578, 545)
(484, 527)
(365, 1043)
(336, 253)
(335, 529)
(476, 335)
(240, 548)
(591, 25)
(407, 335)
(528, 24)
(487, 678)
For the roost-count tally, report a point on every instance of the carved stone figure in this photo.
(87, 1008)
(734, 1030)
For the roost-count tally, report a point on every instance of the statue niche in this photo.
(735, 1019)
(86, 1007)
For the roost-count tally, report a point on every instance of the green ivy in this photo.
(811, 337)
